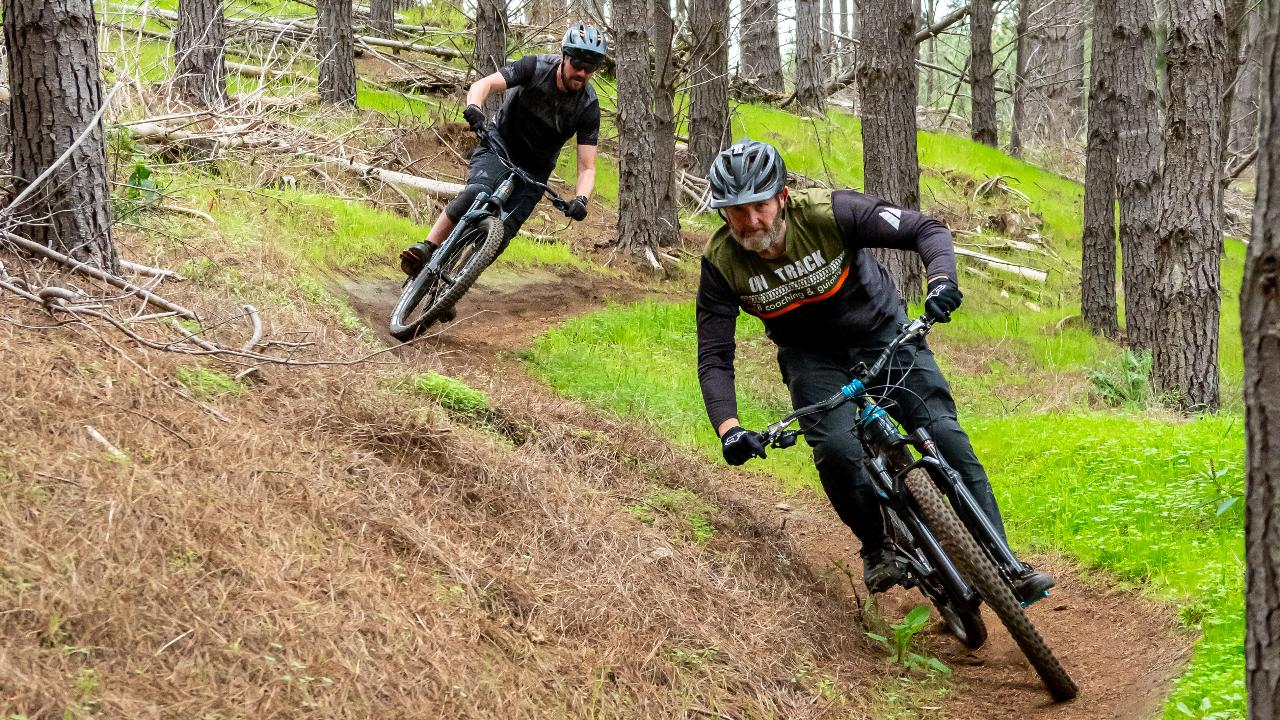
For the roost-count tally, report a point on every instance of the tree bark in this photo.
(200, 49)
(545, 13)
(982, 72)
(1021, 59)
(71, 210)
(843, 45)
(664, 128)
(382, 16)
(1055, 69)
(810, 94)
(708, 83)
(639, 230)
(336, 50)
(887, 93)
(1260, 328)
(1189, 232)
(761, 57)
(1138, 150)
(1098, 243)
(491, 44)
(1236, 46)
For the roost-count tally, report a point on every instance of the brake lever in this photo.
(786, 439)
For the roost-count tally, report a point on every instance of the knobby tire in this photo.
(965, 624)
(475, 249)
(982, 573)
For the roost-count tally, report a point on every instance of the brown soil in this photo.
(1121, 649)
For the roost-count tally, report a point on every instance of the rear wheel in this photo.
(979, 570)
(427, 295)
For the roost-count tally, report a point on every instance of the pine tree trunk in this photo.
(71, 210)
(1237, 39)
(639, 197)
(382, 16)
(1022, 51)
(708, 83)
(887, 93)
(1138, 150)
(545, 13)
(981, 69)
(844, 30)
(664, 129)
(1244, 114)
(336, 50)
(761, 56)
(1188, 231)
(200, 49)
(1260, 328)
(810, 88)
(491, 44)
(1098, 244)
(1055, 72)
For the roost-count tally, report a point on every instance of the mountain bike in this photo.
(950, 549)
(474, 243)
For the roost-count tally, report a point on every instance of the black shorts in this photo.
(485, 174)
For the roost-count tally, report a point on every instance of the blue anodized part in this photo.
(853, 389)
(871, 413)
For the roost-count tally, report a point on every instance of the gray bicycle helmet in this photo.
(748, 171)
(585, 42)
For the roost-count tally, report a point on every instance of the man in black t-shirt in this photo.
(549, 99)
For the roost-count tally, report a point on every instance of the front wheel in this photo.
(974, 564)
(427, 295)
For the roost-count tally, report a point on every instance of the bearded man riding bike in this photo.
(800, 261)
(548, 100)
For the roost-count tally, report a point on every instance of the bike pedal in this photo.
(1028, 603)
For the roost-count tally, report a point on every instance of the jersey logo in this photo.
(757, 283)
(801, 267)
(892, 215)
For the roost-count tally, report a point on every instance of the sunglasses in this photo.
(582, 65)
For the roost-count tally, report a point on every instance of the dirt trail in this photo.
(1122, 650)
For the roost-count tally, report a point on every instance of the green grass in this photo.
(452, 394)
(1136, 496)
(206, 384)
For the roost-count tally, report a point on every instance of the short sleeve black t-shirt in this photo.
(536, 119)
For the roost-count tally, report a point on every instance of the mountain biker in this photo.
(548, 100)
(800, 262)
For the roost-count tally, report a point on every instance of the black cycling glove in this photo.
(577, 208)
(943, 297)
(475, 118)
(740, 445)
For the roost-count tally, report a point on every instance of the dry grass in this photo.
(339, 549)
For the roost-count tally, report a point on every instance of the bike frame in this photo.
(888, 457)
(486, 204)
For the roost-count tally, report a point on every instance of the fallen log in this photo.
(1005, 266)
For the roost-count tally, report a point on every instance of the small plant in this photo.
(1123, 381)
(205, 384)
(452, 395)
(687, 507)
(904, 632)
(691, 659)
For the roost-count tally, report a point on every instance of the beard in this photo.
(761, 240)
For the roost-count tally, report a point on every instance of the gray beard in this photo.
(762, 240)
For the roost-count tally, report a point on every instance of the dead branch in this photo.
(256, 320)
(1011, 268)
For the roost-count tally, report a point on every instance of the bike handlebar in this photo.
(493, 141)
(777, 435)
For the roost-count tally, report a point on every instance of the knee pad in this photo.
(461, 203)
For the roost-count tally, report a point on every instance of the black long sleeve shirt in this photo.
(826, 290)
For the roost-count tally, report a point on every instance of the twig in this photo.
(111, 449)
(256, 337)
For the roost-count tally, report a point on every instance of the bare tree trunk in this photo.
(200, 48)
(1188, 232)
(382, 16)
(708, 83)
(71, 210)
(844, 30)
(824, 24)
(887, 92)
(1260, 327)
(1244, 116)
(931, 54)
(336, 49)
(981, 70)
(1138, 150)
(1098, 244)
(1055, 67)
(639, 197)
(491, 44)
(1021, 58)
(664, 130)
(810, 87)
(545, 13)
(761, 56)
(1237, 47)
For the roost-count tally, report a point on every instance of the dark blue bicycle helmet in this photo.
(586, 43)
(748, 171)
